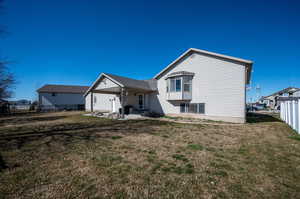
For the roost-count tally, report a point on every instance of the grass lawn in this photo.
(67, 155)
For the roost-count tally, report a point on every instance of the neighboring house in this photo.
(272, 102)
(20, 104)
(296, 93)
(198, 84)
(264, 100)
(61, 97)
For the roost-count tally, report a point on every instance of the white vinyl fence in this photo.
(290, 112)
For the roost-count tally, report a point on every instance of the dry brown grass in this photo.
(66, 155)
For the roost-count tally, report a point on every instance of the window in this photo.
(178, 85)
(187, 88)
(175, 84)
(192, 108)
(141, 101)
(172, 85)
(187, 84)
(168, 85)
(53, 94)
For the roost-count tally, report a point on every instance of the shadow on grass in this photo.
(260, 117)
(2, 164)
(72, 132)
(24, 120)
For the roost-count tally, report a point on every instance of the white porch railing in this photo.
(290, 112)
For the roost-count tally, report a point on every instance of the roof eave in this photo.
(98, 79)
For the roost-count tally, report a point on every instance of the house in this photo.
(20, 104)
(197, 84)
(271, 101)
(61, 97)
(296, 93)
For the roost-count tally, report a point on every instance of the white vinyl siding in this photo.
(52, 99)
(218, 83)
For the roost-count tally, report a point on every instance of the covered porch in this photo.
(125, 95)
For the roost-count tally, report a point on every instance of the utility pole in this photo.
(257, 89)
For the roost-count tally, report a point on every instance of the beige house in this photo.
(198, 84)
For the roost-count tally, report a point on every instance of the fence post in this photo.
(298, 115)
(282, 110)
(294, 115)
(287, 111)
(290, 113)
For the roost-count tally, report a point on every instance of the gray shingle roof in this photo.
(134, 83)
(286, 90)
(51, 88)
(180, 73)
(146, 85)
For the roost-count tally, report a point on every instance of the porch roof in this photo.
(117, 90)
(123, 82)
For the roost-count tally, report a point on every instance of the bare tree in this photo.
(7, 80)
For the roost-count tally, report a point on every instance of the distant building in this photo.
(271, 101)
(20, 104)
(61, 97)
(296, 93)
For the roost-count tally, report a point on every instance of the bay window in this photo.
(179, 85)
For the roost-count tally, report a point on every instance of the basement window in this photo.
(192, 108)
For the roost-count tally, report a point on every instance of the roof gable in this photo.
(190, 51)
(125, 82)
(286, 90)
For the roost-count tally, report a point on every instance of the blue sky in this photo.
(73, 41)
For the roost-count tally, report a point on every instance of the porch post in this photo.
(122, 102)
(92, 102)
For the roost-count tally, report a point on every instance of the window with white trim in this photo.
(187, 84)
(192, 108)
(175, 84)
